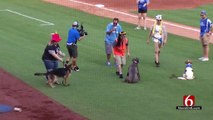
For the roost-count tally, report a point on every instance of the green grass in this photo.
(188, 17)
(95, 91)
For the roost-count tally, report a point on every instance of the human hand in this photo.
(147, 42)
(128, 55)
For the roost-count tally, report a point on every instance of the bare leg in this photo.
(144, 20)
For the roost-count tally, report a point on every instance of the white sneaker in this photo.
(138, 28)
(108, 63)
(205, 59)
(200, 58)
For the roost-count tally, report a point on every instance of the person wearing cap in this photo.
(120, 49)
(73, 38)
(112, 31)
(159, 36)
(205, 33)
(142, 12)
(52, 54)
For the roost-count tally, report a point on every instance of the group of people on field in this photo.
(116, 41)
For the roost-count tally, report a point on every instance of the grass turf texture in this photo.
(190, 17)
(95, 91)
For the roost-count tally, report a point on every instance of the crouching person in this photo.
(120, 48)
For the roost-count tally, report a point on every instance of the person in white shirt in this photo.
(159, 36)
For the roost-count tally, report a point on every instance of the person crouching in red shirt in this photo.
(120, 49)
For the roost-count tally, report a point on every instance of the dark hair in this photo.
(116, 19)
(118, 43)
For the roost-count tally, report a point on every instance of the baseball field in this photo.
(95, 92)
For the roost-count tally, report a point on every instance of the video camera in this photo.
(81, 30)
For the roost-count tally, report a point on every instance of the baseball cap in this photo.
(55, 37)
(158, 17)
(75, 23)
(203, 12)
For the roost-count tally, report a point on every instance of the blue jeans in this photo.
(50, 65)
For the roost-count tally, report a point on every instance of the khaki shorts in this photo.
(120, 60)
(205, 39)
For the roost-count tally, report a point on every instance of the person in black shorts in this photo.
(142, 10)
(73, 38)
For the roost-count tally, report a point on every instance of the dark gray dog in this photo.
(133, 74)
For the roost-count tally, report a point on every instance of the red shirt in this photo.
(121, 50)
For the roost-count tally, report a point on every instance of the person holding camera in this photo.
(112, 31)
(73, 37)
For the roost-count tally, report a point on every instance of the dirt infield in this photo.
(122, 8)
(35, 105)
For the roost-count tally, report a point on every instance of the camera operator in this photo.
(73, 37)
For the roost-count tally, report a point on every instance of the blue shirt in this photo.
(110, 38)
(205, 26)
(189, 65)
(141, 4)
(73, 36)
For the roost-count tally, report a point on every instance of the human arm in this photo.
(150, 35)
(52, 52)
(127, 49)
(164, 35)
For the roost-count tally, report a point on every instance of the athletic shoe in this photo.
(138, 28)
(76, 69)
(117, 73)
(157, 64)
(200, 58)
(144, 28)
(205, 59)
(121, 76)
(108, 63)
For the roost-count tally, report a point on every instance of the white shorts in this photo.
(160, 40)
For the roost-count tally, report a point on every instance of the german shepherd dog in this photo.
(133, 74)
(52, 76)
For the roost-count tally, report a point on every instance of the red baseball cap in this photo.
(55, 37)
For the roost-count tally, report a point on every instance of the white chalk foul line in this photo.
(29, 17)
(130, 15)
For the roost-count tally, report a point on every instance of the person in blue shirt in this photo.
(142, 10)
(205, 33)
(73, 38)
(112, 31)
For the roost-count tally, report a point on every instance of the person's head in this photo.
(203, 14)
(55, 38)
(115, 21)
(158, 19)
(75, 24)
(122, 34)
(121, 37)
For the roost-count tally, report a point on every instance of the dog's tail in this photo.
(40, 74)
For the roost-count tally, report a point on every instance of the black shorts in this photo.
(142, 11)
(73, 50)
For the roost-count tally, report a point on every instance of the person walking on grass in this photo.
(112, 31)
(159, 36)
(52, 54)
(205, 33)
(142, 12)
(120, 49)
(72, 39)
